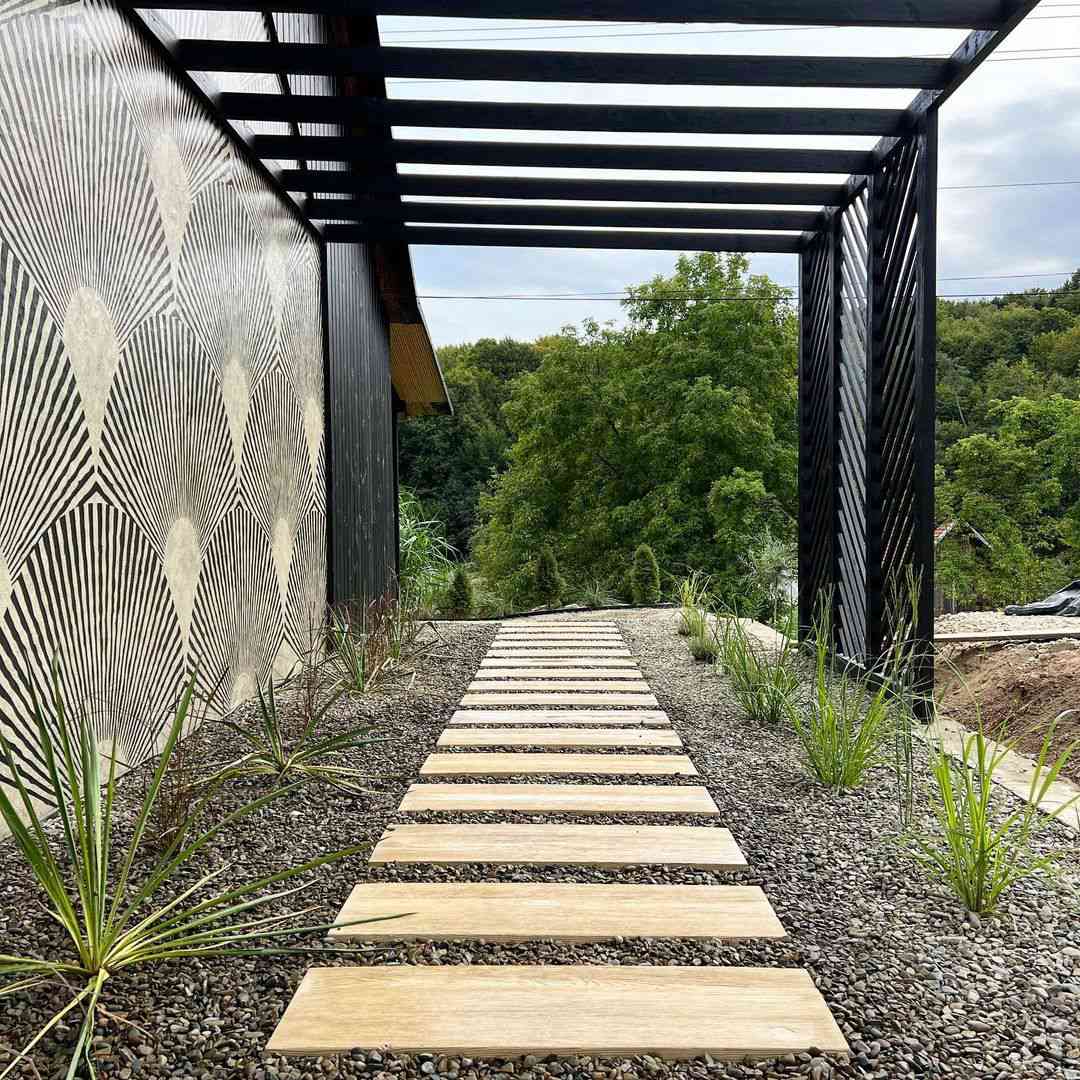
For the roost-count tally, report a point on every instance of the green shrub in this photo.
(977, 854)
(765, 680)
(118, 912)
(704, 645)
(460, 599)
(547, 582)
(425, 554)
(846, 725)
(645, 577)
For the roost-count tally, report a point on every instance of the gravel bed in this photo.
(997, 622)
(918, 989)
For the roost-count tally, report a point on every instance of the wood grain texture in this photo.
(519, 764)
(559, 673)
(536, 685)
(593, 701)
(572, 663)
(514, 911)
(607, 846)
(560, 798)
(609, 1011)
(604, 717)
(563, 737)
(558, 652)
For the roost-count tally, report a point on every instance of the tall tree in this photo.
(622, 436)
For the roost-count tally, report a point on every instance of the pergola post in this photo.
(867, 366)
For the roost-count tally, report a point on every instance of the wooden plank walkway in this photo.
(564, 684)
(515, 911)
(564, 737)
(606, 717)
(560, 798)
(701, 847)
(507, 1010)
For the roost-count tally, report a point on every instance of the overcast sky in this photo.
(1017, 120)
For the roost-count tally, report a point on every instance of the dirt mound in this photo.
(1020, 689)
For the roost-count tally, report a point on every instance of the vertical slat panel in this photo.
(359, 407)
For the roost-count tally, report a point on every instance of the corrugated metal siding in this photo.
(363, 491)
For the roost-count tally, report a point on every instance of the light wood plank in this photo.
(478, 686)
(519, 764)
(534, 653)
(506, 1011)
(606, 624)
(597, 701)
(559, 799)
(571, 673)
(565, 737)
(604, 717)
(577, 639)
(516, 911)
(607, 846)
(568, 663)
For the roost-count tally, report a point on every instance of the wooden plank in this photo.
(507, 1011)
(607, 846)
(555, 651)
(523, 764)
(511, 214)
(478, 686)
(1003, 637)
(603, 717)
(519, 911)
(592, 701)
(499, 663)
(565, 737)
(452, 185)
(950, 14)
(577, 239)
(598, 624)
(559, 799)
(543, 116)
(570, 673)
(518, 65)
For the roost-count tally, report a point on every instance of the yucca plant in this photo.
(846, 725)
(288, 755)
(764, 679)
(360, 650)
(978, 854)
(121, 911)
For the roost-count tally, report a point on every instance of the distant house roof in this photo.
(949, 527)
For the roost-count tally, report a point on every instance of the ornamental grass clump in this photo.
(121, 905)
(288, 752)
(846, 725)
(692, 594)
(361, 650)
(765, 679)
(645, 577)
(977, 850)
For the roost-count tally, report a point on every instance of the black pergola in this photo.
(866, 247)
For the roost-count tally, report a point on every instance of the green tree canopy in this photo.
(622, 434)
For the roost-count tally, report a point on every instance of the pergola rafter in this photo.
(866, 246)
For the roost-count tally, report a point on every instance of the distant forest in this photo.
(678, 430)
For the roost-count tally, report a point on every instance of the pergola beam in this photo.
(652, 69)
(565, 238)
(527, 116)
(949, 14)
(560, 155)
(564, 190)
(626, 217)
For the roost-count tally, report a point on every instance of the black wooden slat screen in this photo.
(867, 386)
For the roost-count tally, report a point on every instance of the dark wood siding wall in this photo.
(360, 417)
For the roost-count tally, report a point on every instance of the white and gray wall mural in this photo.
(162, 462)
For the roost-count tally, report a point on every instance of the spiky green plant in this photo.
(977, 854)
(765, 680)
(645, 577)
(704, 645)
(460, 596)
(119, 910)
(547, 582)
(595, 594)
(288, 754)
(426, 557)
(692, 595)
(360, 648)
(846, 725)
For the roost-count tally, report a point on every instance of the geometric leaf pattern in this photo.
(162, 460)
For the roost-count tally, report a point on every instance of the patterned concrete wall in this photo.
(162, 467)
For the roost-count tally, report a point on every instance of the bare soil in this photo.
(1020, 691)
